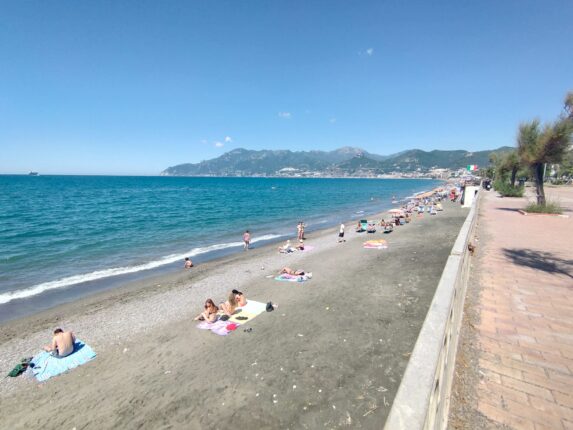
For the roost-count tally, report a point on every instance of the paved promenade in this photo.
(515, 362)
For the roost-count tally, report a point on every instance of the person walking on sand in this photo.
(246, 240)
(341, 233)
(62, 343)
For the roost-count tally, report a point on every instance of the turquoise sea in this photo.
(62, 237)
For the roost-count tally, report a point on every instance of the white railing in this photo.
(423, 398)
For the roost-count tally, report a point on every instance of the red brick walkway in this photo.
(526, 308)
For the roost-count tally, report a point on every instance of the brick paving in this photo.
(525, 308)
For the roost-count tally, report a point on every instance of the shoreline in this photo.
(159, 283)
(54, 297)
(347, 332)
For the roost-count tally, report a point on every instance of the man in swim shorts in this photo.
(62, 343)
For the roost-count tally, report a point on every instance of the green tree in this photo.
(568, 105)
(512, 163)
(537, 146)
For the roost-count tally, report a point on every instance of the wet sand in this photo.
(331, 355)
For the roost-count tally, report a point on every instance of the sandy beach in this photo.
(331, 355)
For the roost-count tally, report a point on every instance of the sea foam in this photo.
(115, 271)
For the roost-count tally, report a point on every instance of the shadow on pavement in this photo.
(540, 260)
(508, 209)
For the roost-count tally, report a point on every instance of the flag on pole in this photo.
(472, 167)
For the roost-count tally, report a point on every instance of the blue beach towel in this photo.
(46, 365)
(291, 278)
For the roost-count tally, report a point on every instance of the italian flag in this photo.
(472, 167)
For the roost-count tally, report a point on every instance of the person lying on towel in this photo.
(230, 305)
(289, 271)
(239, 298)
(62, 343)
(210, 312)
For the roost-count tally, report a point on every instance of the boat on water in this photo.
(33, 174)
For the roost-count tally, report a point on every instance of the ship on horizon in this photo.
(33, 174)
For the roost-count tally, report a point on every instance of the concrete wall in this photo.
(423, 399)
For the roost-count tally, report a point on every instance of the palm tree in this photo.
(537, 146)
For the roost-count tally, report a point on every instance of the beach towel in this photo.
(291, 278)
(376, 244)
(250, 311)
(45, 365)
(218, 327)
(307, 248)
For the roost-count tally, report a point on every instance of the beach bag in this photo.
(20, 367)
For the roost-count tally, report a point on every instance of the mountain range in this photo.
(346, 161)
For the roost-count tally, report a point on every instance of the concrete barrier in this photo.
(423, 398)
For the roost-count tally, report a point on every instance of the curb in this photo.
(522, 212)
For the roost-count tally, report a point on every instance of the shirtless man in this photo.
(62, 343)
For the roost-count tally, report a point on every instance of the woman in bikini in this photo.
(230, 305)
(240, 298)
(210, 312)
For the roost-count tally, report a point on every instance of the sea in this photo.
(65, 237)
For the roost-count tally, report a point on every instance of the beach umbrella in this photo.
(396, 211)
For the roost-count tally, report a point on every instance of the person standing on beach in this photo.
(299, 230)
(341, 233)
(246, 240)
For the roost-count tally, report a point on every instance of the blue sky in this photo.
(132, 87)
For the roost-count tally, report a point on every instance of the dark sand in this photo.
(332, 354)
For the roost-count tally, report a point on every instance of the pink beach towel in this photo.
(218, 327)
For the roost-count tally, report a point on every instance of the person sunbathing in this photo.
(289, 271)
(240, 298)
(230, 305)
(210, 312)
(286, 248)
(62, 343)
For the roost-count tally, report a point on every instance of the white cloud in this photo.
(228, 139)
(370, 51)
(332, 120)
(219, 144)
(285, 115)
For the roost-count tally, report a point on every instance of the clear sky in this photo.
(132, 87)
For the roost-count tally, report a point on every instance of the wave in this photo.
(106, 273)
